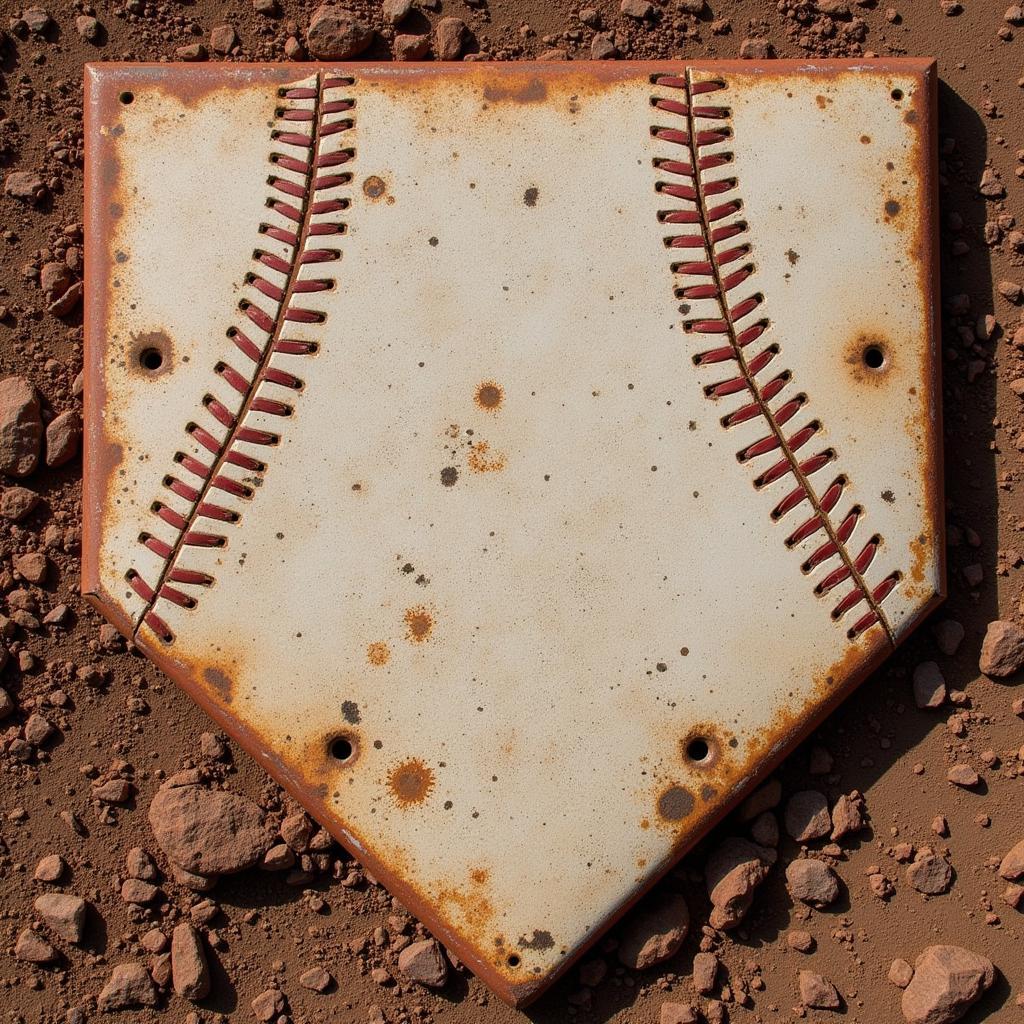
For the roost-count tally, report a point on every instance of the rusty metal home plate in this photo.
(517, 460)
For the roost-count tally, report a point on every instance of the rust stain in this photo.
(519, 90)
(869, 355)
(449, 476)
(378, 653)
(675, 803)
(220, 682)
(419, 624)
(539, 940)
(411, 782)
(374, 187)
(150, 354)
(482, 461)
(489, 396)
(481, 876)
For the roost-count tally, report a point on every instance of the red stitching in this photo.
(707, 230)
(306, 205)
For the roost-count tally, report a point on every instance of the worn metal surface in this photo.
(515, 495)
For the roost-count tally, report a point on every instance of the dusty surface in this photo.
(91, 730)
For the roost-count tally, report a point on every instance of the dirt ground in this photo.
(120, 721)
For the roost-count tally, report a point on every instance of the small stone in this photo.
(949, 634)
(316, 979)
(449, 36)
(269, 1005)
(679, 1013)
(807, 816)
(154, 941)
(818, 992)
(31, 566)
(812, 882)
(654, 931)
(424, 963)
(50, 868)
(191, 52)
(1011, 867)
(139, 864)
(223, 39)
(63, 436)
(1014, 15)
(7, 705)
(33, 948)
(900, 973)
(732, 874)
(963, 775)
(880, 886)
(940, 826)
(135, 890)
(929, 685)
(114, 791)
(64, 913)
(25, 185)
(335, 33)
(190, 971)
(764, 798)
(17, 502)
(638, 9)
(21, 427)
(947, 980)
(129, 985)
(396, 11)
(278, 858)
(990, 186)
(408, 47)
(801, 941)
(705, 971)
(930, 874)
(192, 880)
(847, 815)
(1002, 651)
(755, 49)
(38, 729)
(602, 47)
(296, 831)
(765, 829)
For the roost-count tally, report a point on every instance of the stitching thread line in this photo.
(707, 220)
(301, 208)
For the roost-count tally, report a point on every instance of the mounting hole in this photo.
(151, 359)
(126, 97)
(513, 960)
(874, 357)
(897, 94)
(341, 749)
(698, 749)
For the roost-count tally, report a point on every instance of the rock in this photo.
(732, 874)
(900, 973)
(33, 948)
(114, 791)
(25, 185)
(212, 746)
(335, 33)
(38, 729)
(755, 49)
(278, 858)
(208, 832)
(963, 775)
(193, 881)
(139, 864)
(679, 1013)
(31, 566)
(223, 39)
(160, 970)
(21, 427)
(449, 36)
(189, 970)
(812, 882)
(818, 992)
(801, 941)
(947, 980)
(602, 47)
(191, 52)
(396, 11)
(1011, 867)
(638, 9)
(764, 798)
(424, 963)
(37, 19)
(129, 985)
(765, 829)
(847, 815)
(296, 831)
(407, 47)
(17, 502)
(1002, 651)
(949, 634)
(990, 186)
(929, 685)
(880, 886)
(64, 913)
(705, 971)
(88, 28)
(49, 869)
(929, 874)
(135, 890)
(68, 301)
(654, 931)
(807, 816)
(63, 436)
(7, 705)
(269, 1005)
(316, 979)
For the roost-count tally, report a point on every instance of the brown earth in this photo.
(95, 729)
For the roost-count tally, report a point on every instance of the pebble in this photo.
(679, 1013)
(949, 634)
(21, 427)
(807, 816)
(396, 11)
(818, 992)
(424, 962)
(135, 890)
(25, 185)
(1011, 867)
(63, 436)
(732, 874)
(129, 985)
(1002, 651)
(64, 913)
(963, 775)
(33, 948)
(847, 815)
(801, 941)
(316, 979)
(449, 38)
(653, 932)
(812, 882)
(50, 868)
(223, 38)
(929, 685)
(947, 980)
(900, 973)
(189, 969)
(269, 1005)
(705, 971)
(17, 502)
(410, 47)
(139, 864)
(929, 874)
(335, 33)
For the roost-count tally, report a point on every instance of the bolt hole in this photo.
(874, 357)
(897, 94)
(151, 359)
(126, 97)
(698, 749)
(341, 749)
(513, 960)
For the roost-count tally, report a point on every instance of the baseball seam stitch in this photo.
(715, 225)
(295, 203)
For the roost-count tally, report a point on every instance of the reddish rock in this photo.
(335, 33)
(31, 566)
(296, 831)
(963, 775)
(705, 971)
(25, 185)
(409, 47)
(139, 864)
(208, 832)
(654, 931)
(316, 979)
(812, 882)
(1002, 651)
(223, 39)
(679, 1013)
(807, 816)
(818, 992)
(929, 874)
(64, 913)
(929, 685)
(949, 634)
(732, 874)
(269, 1005)
(1012, 865)
(129, 985)
(424, 962)
(602, 47)
(947, 980)
(189, 970)
(755, 49)
(800, 940)
(900, 973)
(63, 436)
(135, 890)
(449, 37)
(21, 427)
(848, 815)
(33, 948)
(17, 502)
(49, 869)
(396, 11)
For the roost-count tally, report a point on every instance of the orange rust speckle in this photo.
(374, 187)
(864, 346)
(419, 623)
(411, 782)
(489, 396)
(480, 875)
(481, 461)
(378, 653)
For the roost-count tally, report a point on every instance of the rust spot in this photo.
(378, 653)
(675, 803)
(151, 354)
(374, 187)
(533, 90)
(482, 461)
(480, 876)
(910, 117)
(411, 782)
(866, 139)
(869, 356)
(792, 256)
(489, 396)
(224, 687)
(822, 101)
(419, 624)
(350, 712)
(538, 940)
(531, 195)
(449, 475)
(891, 208)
